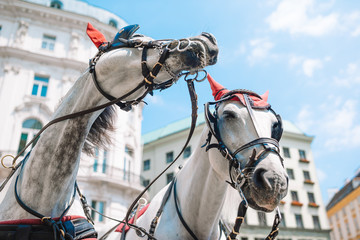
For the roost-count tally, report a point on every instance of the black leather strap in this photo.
(177, 207)
(155, 221)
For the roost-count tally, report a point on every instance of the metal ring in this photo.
(175, 48)
(186, 47)
(190, 74)
(202, 79)
(2, 162)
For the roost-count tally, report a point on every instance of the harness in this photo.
(56, 226)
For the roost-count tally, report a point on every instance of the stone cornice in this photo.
(10, 52)
(69, 20)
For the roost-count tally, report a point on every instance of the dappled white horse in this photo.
(241, 148)
(131, 66)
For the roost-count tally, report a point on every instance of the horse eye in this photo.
(229, 114)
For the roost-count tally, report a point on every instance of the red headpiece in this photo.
(95, 35)
(218, 91)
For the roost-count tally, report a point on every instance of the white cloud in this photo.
(349, 77)
(310, 65)
(335, 123)
(260, 50)
(356, 32)
(299, 17)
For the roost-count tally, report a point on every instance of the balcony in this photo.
(110, 175)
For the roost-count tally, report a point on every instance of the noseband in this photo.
(268, 144)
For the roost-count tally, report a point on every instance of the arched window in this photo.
(56, 4)
(30, 128)
(113, 23)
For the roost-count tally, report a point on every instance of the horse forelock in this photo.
(99, 135)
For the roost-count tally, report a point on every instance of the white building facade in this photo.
(303, 211)
(43, 50)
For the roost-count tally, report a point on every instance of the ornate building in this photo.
(302, 210)
(43, 50)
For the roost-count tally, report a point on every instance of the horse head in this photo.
(159, 62)
(248, 131)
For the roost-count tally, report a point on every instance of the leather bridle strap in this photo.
(193, 97)
(58, 228)
(188, 229)
(60, 119)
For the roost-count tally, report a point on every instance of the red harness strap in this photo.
(38, 222)
(141, 212)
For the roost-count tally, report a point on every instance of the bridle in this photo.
(269, 145)
(165, 46)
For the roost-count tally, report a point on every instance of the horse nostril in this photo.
(260, 179)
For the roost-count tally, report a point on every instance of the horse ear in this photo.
(95, 35)
(265, 96)
(217, 89)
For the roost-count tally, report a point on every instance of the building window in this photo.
(40, 86)
(294, 196)
(56, 4)
(169, 157)
(96, 160)
(169, 177)
(316, 222)
(302, 154)
(299, 221)
(48, 42)
(290, 173)
(286, 151)
(113, 23)
(187, 152)
(104, 164)
(146, 165)
(129, 151)
(262, 218)
(145, 182)
(30, 128)
(311, 197)
(100, 207)
(307, 175)
(0, 29)
(282, 223)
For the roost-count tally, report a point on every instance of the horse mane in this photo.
(99, 135)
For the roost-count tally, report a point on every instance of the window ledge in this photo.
(303, 160)
(296, 203)
(314, 205)
(309, 182)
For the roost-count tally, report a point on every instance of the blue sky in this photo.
(306, 53)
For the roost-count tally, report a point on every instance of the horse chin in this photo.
(262, 200)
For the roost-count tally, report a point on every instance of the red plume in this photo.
(95, 35)
(217, 89)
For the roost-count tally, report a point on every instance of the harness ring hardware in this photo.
(3, 164)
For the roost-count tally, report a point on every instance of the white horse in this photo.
(46, 180)
(246, 132)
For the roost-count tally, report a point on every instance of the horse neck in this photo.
(201, 193)
(47, 180)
